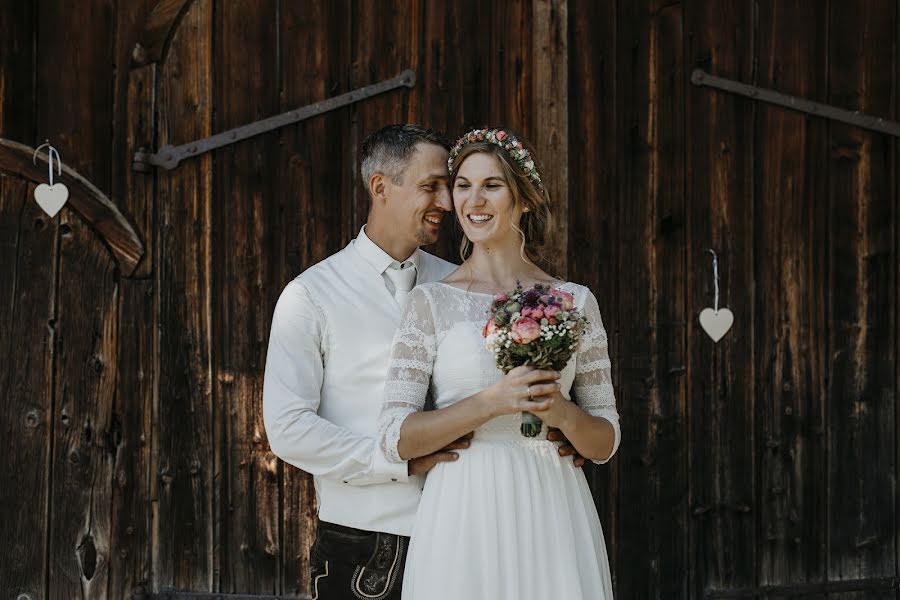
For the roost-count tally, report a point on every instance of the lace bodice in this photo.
(439, 349)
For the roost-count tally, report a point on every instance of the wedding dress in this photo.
(510, 519)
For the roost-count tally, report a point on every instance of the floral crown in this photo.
(514, 148)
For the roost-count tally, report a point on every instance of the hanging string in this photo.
(50, 152)
(715, 278)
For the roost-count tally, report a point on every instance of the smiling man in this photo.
(327, 362)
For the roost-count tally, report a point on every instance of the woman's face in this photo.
(484, 202)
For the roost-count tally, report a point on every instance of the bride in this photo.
(509, 519)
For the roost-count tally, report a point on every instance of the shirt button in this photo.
(345, 482)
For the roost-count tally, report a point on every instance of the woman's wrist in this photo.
(486, 406)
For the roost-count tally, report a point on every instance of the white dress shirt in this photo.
(326, 366)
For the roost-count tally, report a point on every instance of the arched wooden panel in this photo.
(95, 208)
(162, 21)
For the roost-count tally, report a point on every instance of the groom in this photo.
(327, 362)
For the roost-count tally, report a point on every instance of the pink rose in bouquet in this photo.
(525, 331)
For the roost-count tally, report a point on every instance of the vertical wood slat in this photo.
(722, 444)
(652, 558)
(244, 216)
(84, 441)
(28, 253)
(318, 180)
(862, 355)
(594, 142)
(17, 66)
(82, 450)
(550, 99)
(131, 558)
(788, 245)
(182, 484)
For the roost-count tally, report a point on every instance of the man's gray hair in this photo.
(388, 150)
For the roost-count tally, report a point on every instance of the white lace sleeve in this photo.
(409, 372)
(592, 388)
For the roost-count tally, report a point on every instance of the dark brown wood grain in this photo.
(85, 432)
(789, 342)
(244, 217)
(183, 444)
(18, 21)
(130, 558)
(720, 376)
(550, 100)
(28, 251)
(862, 294)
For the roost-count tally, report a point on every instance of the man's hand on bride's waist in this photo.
(423, 464)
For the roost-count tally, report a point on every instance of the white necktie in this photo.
(404, 280)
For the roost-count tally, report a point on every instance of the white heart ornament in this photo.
(716, 323)
(51, 198)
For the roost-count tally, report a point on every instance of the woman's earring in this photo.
(50, 198)
(526, 209)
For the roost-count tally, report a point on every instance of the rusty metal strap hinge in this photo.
(169, 157)
(882, 584)
(700, 77)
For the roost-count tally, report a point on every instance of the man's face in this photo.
(420, 202)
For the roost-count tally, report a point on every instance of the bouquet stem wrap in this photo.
(538, 326)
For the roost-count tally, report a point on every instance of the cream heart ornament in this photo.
(716, 323)
(51, 198)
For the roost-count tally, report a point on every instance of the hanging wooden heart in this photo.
(716, 323)
(51, 198)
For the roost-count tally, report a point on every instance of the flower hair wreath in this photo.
(508, 142)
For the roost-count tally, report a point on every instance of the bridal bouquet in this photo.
(538, 327)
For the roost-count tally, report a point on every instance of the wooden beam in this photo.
(98, 211)
(162, 21)
(551, 107)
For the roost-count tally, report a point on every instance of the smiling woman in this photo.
(498, 169)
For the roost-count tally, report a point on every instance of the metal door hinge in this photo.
(169, 157)
(700, 77)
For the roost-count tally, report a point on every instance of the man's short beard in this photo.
(423, 238)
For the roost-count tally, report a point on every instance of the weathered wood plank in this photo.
(653, 554)
(319, 180)
(862, 359)
(183, 433)
(719, 193)
(84, 445)
(550, 100)
(130, 545)
(18, 22)
(75, 115)
(133, 128)
(28, 250)
(789, 245)
(244, 216)
(594, 143)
